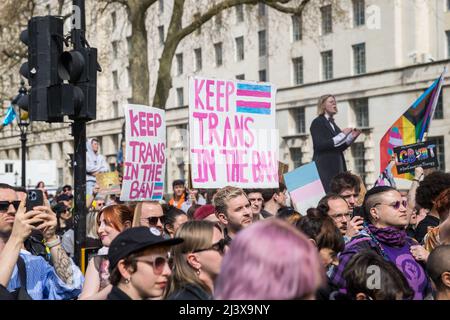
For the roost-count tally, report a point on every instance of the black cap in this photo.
(64, 197)
(178, 182)
(135, 239)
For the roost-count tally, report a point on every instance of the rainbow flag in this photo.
(409, 128)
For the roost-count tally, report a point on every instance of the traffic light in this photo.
(44, 38)
(63, 83)
(79, 68)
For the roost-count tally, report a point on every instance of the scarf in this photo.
(179, 203)
(390, 236)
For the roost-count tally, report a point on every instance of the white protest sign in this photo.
(233, 140)
(145, 154)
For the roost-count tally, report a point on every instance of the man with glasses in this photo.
(63, 280)
(151, 215)
(337, 208)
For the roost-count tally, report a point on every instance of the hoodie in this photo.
(95, 162)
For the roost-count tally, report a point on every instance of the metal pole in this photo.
(79, 165)
(23, 139)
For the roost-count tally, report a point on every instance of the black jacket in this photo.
(190, 292)
(329, 159)
(117, 294)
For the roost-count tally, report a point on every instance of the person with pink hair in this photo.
(270, 260)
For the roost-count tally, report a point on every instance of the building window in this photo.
(115, 80)
(262, 43)
(359, 58)
(358, 13)
(262, 75)
(447, 33)
(327, 65)
(361, 108)
(297, 64)
(115, 45)
(296, 28)
(296, 157)
(179, 58)
(358, 152)
(60, 176)
(439, 111)
(239, 48)
(198, 59)
(240, 13)
(300, 120)
(161, 34)
(240, 76)
(448, 5)
(261, 9)
(113, 20)
(218, 52)
(115, 107)
(440, 151)
(161, 6)
(180, 98)
(8, 167)
(327, 19)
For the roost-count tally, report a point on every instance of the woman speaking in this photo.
(329, 141)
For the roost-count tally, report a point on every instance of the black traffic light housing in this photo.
(62, 83)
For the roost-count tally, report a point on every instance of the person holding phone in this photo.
(63, 280)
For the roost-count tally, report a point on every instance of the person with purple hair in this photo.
(384, 233)
(281, 264)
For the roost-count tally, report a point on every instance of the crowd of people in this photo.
(231, 243)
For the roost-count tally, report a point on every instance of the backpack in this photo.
(20, 293)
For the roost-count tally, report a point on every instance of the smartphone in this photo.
(358, 212)
(35, 198)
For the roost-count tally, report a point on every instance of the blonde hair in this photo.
(138, 212)
(224, 195)
(197, 235)
(321, 104)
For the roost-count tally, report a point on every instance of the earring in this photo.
(197, 272)
(127, 281)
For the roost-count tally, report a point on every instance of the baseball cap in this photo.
(204, 211)
(178, 182)
(136, 239)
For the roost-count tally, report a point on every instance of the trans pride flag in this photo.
(305, 187)
(409, 128)
(253, 98)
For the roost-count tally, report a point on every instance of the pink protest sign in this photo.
(233, 139)
(145, 154)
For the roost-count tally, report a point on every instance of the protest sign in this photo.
(108, 183)
(305, 187)
(411, 156)
(233, 140)
(145, 154)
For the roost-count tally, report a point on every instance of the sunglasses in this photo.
(157, 264)
(153, 221)
(4, 205)
(395, 205)
(218, 246)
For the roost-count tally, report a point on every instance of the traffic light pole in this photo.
(79, 165)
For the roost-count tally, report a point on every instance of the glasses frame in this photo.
(219, 246)
(395, 204)
(15, 203)
(156, 270)
(161, 218)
